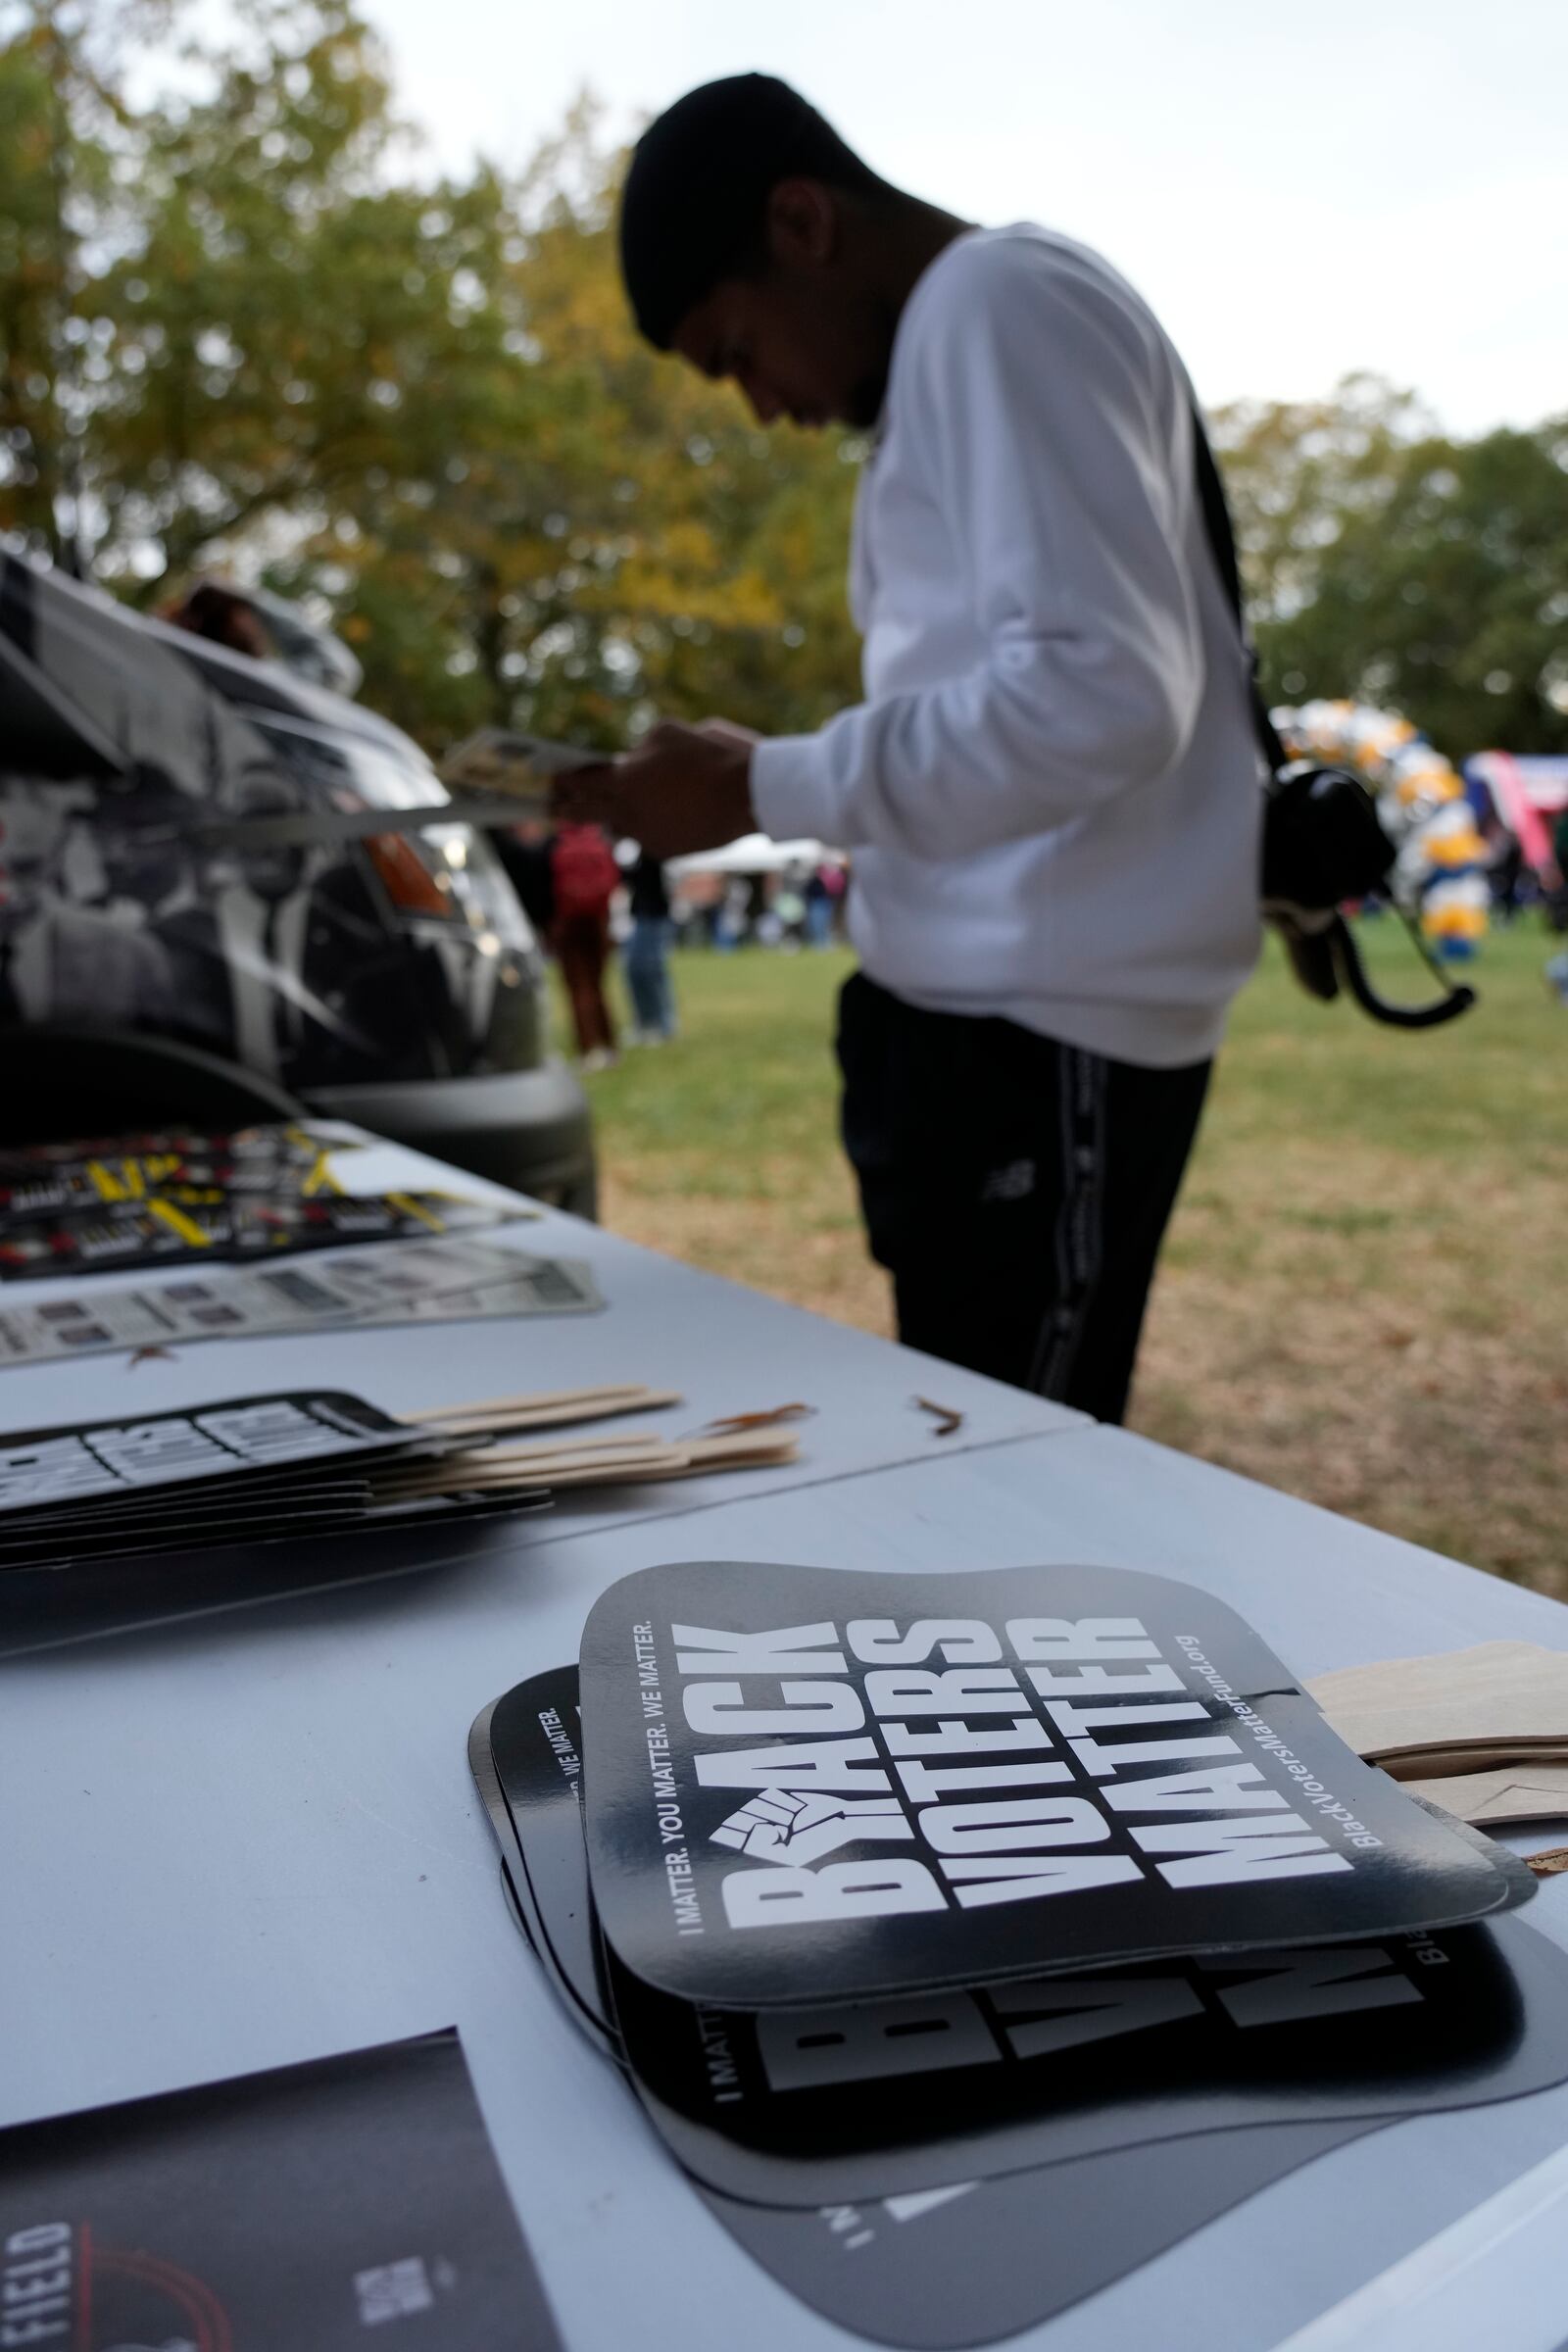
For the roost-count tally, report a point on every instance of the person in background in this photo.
(1052, 791)
(836, 882)
(696, 909)
(221, 614)
(1554, 877)
(818, 909)
(525, 851)
(266, 628)
(1505, 874)
(584, 878)
(732, 923)
(1554, 882)
(790, 907)
(647, 953)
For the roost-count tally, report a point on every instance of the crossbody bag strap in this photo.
(1222, 543)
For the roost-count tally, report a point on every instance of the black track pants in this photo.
(1016, 1190)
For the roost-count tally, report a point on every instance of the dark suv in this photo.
(392, 980)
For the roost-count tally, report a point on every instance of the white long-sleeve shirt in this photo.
(1050, 791)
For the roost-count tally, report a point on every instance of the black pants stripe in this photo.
(1080, 1219)
(1018, 1190)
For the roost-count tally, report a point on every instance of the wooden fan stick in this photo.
(550, 1450)
(583, 1466)
(675, 1465)
(514, 1461)
(556, 1416)
(542, 1400)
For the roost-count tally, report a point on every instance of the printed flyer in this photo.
(286, 2210)
(453, 1281)
(42, 1469)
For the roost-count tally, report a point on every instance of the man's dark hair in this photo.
(695, 207)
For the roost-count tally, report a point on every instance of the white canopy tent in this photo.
(754, 854)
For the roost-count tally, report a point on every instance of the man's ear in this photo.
(802, 224)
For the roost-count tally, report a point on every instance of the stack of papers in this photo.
(449, 1281)
(1483, 1732)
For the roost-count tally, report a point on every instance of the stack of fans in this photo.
(251, 1470)
(268, 1469)
(969, 1939)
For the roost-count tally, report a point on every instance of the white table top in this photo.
(238, 1840)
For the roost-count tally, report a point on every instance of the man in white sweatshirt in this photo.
(1050, 793)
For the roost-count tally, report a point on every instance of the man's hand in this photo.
(682, 789)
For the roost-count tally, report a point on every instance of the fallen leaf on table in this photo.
(148, 1355)
(731, 1424)
(1550, 1861)
(946, 1419)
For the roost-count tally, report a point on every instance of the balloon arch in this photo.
(1440, 869)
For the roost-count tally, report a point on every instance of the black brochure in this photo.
(974, 2260)
(198, 1529)
(178, 1508)
(43, 1606)
(874, 2099)
(297, 2207)
(522, 1751)
(803, 1784)
(523, 1914)
(290, 1523)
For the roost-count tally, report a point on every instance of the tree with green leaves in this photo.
(69, 147)
(254, 336)
(1393, 563)
(615, 536)
(243, 328)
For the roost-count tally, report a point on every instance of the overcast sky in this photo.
(1299, 189)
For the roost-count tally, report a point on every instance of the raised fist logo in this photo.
(779, 1825)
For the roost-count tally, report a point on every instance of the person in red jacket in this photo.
(584, 878)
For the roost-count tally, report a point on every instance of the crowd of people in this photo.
(588, 900)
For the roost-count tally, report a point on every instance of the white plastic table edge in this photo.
(1495, 2278)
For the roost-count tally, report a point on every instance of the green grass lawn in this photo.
(1361, 1294)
